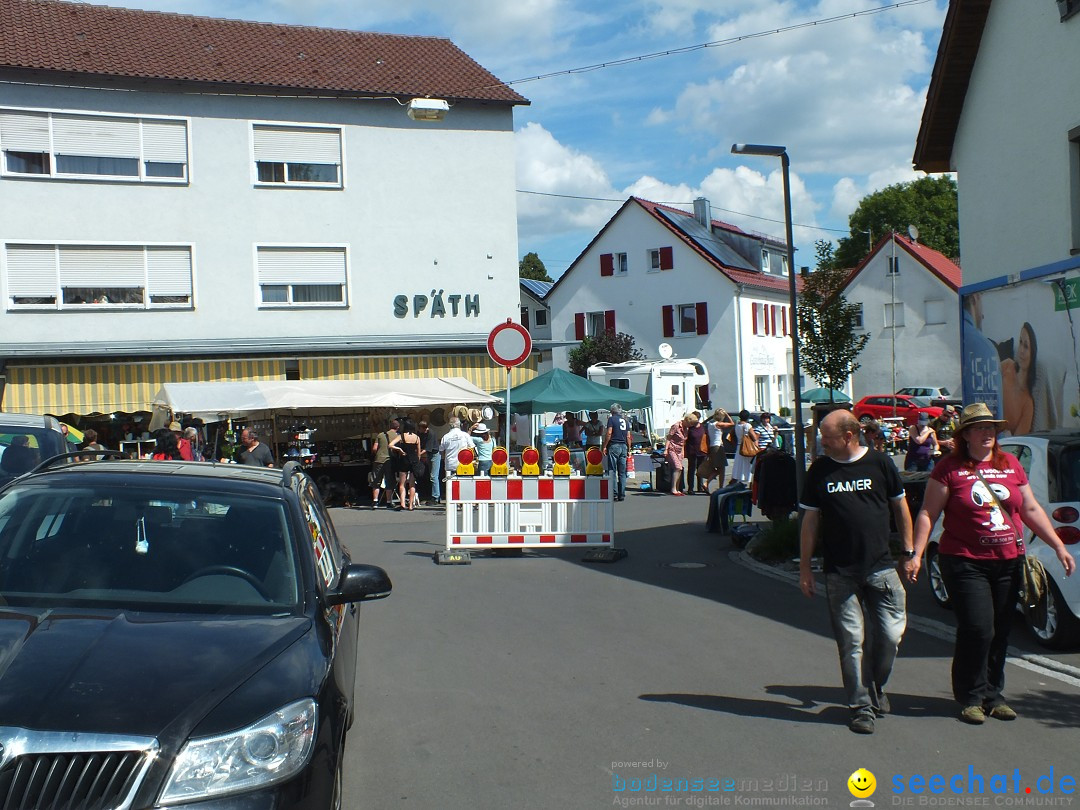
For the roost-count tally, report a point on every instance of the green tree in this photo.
(531, 267)
(828, 344)
(607, 347)
(928, 203)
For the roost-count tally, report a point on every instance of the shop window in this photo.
(302, 277)
(69, 146)
(83, 277)
(303, 156)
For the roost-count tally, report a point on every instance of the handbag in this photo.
(703, 447)
(1033, 583)
(748, 447)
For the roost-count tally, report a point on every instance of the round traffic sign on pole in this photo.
(509, 344)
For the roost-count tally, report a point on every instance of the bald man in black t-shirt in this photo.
(848, 494)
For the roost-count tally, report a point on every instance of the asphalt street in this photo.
(542, 681)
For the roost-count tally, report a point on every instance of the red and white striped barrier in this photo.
(541, 512)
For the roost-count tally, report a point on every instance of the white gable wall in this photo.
(926, 354)
(732, 354)
(1018, 174)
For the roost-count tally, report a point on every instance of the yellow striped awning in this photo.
(118, 387)
(102, 387)
(476, 367)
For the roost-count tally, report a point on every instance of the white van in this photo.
(675, 386)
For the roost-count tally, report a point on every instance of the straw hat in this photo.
(977, 413)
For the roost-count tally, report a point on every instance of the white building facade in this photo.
(710, 290)
(907, 293)
(1003, 111)
(207, 224)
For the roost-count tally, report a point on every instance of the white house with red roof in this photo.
(911, 310)
(707, 288)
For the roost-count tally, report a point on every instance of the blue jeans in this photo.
(436, 471)
(866, 652)
(617, 467)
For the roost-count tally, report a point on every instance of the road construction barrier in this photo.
(529, 512)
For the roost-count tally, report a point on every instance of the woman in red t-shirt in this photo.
(985, 495)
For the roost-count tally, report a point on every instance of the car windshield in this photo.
(118, 546)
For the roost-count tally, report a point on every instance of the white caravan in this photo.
(675, 386)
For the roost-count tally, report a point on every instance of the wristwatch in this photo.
(908, 553)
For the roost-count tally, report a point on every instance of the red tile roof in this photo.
(755, 278)
(76, 38)
(937, 263)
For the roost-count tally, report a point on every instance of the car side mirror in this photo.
(360, 583)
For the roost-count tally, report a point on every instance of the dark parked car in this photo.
(26, 441)
(175, 633)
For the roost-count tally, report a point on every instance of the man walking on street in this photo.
(616, 446)
(848, 494)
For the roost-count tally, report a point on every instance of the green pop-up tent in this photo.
(559, 390)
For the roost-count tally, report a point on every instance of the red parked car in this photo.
(880, 406)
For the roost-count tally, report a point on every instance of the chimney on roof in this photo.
(703, 212)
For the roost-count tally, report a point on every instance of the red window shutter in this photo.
(753, 312)
(607, 264)
(667, 258)
(609, 321)
(702, 318)
(669, 320)
(579, 326)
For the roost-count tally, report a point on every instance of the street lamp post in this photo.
(781, 152)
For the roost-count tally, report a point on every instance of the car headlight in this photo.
(269, 751)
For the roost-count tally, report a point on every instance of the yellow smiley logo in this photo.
(862, 783)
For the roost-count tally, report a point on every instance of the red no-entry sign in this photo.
(509, 344)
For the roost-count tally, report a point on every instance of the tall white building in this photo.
(709, 289)
(186, 199)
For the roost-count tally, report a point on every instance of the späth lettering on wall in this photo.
(437, 305)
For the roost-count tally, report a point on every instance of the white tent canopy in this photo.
(216, 400)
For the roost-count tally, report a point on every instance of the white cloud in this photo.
(848, 192)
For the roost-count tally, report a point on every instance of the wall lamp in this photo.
(427, 109)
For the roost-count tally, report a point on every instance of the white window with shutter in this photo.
(62, 145)
(291, 156)
(88, 277)
(314, 276)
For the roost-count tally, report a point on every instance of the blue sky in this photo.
(845, 97)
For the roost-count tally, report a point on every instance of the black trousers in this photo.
(983, 594)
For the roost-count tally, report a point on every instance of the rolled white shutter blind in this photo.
(24, 131)
(31, 270)
(301, 266)
(164, 141)
(111, 266)
(168, 270)
(94, 136)
(297, 145)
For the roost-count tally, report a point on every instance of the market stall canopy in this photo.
(559, 390)
(211, 401)
(822, 395)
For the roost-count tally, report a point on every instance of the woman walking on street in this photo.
(984, 493)
(407, 451)
(674, 451)
(697, 450)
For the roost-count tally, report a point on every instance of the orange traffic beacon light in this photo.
(594, 461)
(500, 459)
(530, 462)
(561, 459)
(465, 465)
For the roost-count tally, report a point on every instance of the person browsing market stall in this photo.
(984, 494)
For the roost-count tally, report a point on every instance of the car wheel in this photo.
(866, 419)
(933, 576)
(1051, 622)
